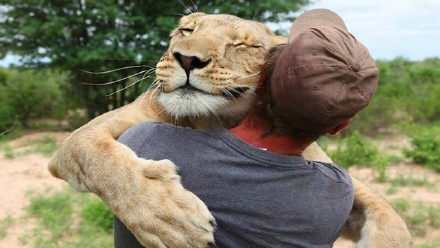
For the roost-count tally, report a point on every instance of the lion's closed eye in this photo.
(186, 31)
(244, 44)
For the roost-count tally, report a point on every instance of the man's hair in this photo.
(265, 102)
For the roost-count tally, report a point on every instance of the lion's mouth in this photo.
(237, 92)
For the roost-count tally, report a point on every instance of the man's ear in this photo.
(339, 127)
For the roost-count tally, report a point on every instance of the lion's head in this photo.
(211, 68)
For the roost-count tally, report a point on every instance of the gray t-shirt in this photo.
(258, 198)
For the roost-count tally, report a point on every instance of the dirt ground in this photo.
(19, 175)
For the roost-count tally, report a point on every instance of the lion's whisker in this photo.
(115, 81)
(147, 94)
(247, 76)
(194, 7)
(153, 84)
(148, 74)
(216, 115)
(143, 99)
(114, 70)
(128, 86)
(155, 87)
(186, 6)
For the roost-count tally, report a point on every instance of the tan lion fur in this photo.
(147, 195)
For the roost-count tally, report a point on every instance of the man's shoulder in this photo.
(150, 128)
(147, 126)
(162, 132)
(332, 171)
(147, 130)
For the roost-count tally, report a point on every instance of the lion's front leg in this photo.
(146, 195)
(373, 222)
(86, 148)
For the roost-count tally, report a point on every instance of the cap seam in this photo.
(317, 66)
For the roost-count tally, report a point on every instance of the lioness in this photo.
(206, 79)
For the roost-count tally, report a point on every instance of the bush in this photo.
(357, 150)
(96, 213)
(53, 212)
(7, 116)
(425, 143)
(420, 217)
(407, 92)
(27, 94)
(76, 118)
(7, 113)
(55, 215)
(354, 150)
(45, 145)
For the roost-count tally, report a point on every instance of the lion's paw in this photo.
(161, 213)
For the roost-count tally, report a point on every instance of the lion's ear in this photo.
(185, 20)
(197, 14)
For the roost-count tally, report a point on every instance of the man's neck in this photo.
(253, 132)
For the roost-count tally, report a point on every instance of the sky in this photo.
(388, 28)
(391, 28)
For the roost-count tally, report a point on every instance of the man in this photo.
(253, 178)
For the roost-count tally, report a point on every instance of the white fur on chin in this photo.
(195, 104)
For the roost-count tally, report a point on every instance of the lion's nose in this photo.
(189, 63)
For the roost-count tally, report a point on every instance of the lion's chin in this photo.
(194, 104)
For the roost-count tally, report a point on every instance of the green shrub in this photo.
(53, 212)
(76, 118)
(430, 244)
(408, 92)
(401, 205)
(7, 112)
(8, 151)
(7, 117)
(5, 223)
(410, 181)
(30, 93)
(425, 148)
(354, 150)
(45, 145)
(357, 150)
(96, 213)
(419, 216)
(55, 215)
(423, 102)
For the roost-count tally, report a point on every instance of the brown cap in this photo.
(324, 76)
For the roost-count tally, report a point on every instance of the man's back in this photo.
(259, 199)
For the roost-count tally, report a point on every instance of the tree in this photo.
(7, 113)
(27, 94)
(101, 35)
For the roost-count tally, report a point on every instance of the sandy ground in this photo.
(19, 175)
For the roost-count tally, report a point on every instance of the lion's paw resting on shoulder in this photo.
(206, 79)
